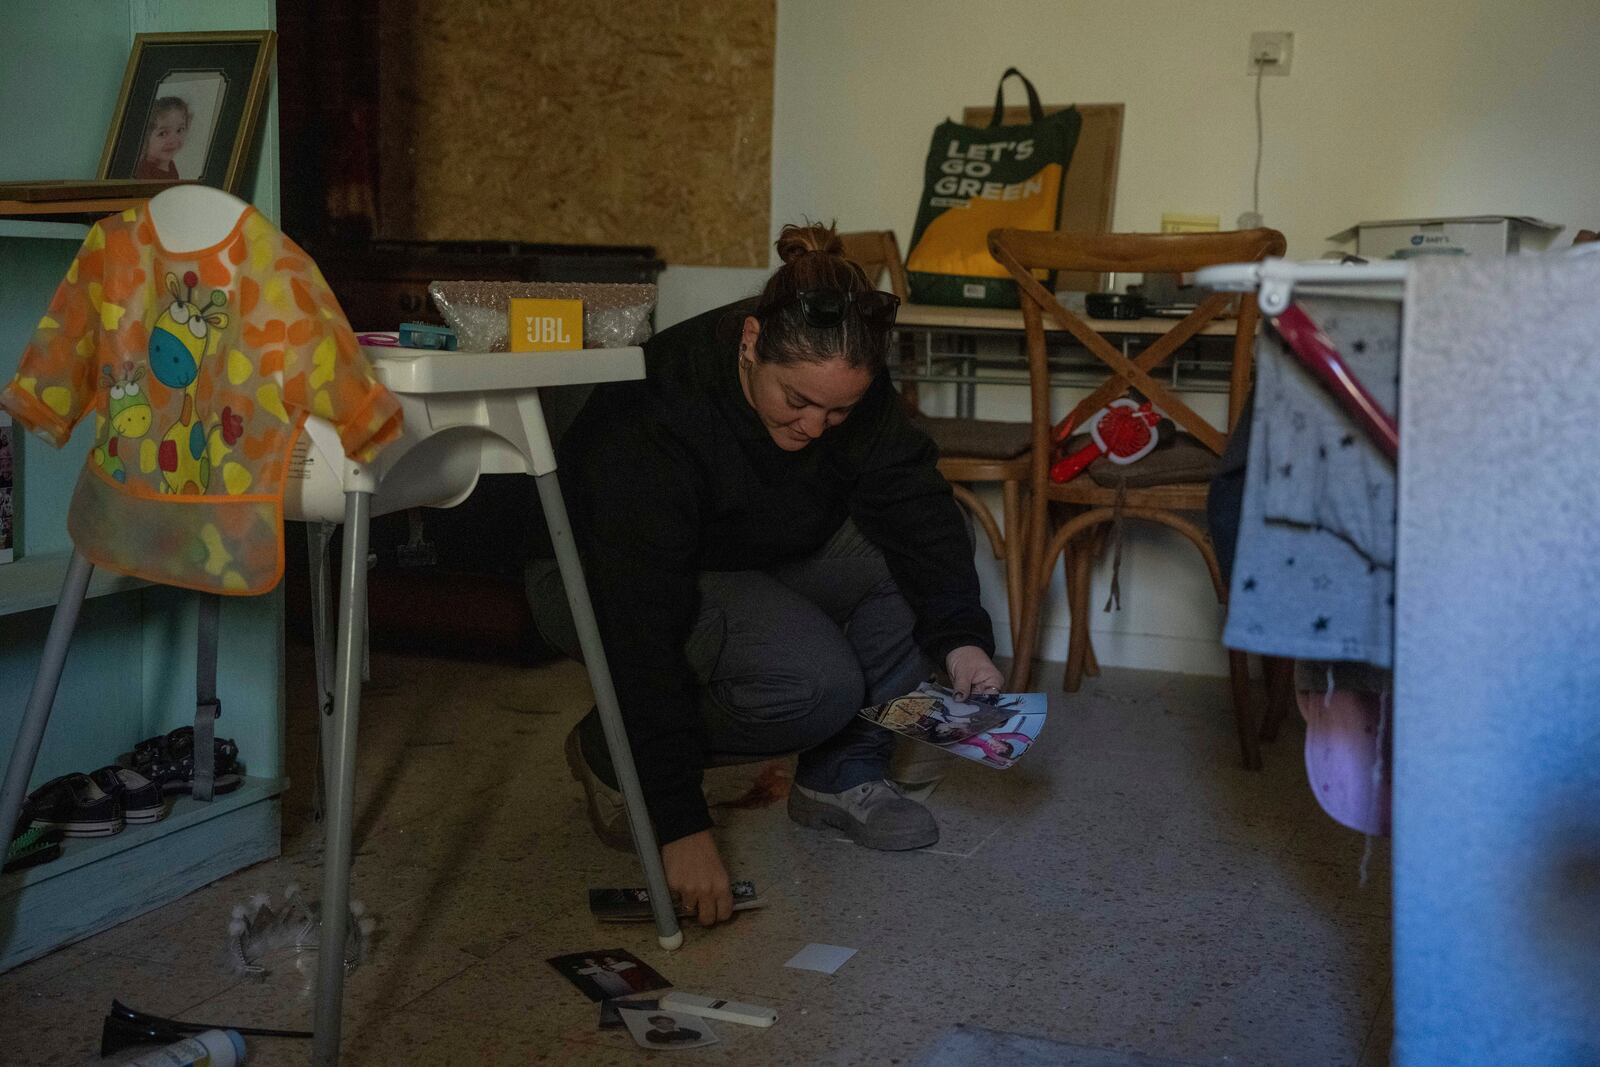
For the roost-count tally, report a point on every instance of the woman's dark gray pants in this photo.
(785, 659)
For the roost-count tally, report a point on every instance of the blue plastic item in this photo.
(426, 335)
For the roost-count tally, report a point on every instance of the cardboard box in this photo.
(1474, 235)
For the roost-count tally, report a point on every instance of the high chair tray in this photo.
(421, 370)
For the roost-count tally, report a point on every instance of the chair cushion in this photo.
(979, 438)
(1184, 461)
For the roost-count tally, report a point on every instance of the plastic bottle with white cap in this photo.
(209, 1048)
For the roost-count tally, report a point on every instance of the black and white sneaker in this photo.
(140, 798)
(77, 807)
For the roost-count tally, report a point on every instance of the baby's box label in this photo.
(539, 325)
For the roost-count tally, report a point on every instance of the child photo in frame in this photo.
(188, 107)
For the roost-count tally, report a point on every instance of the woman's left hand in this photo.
(972, 671)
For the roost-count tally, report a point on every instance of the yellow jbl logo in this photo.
(538, 325)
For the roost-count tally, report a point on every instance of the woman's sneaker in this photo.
(77, 807)
(873, 814)
(140, 798)
(606, 812)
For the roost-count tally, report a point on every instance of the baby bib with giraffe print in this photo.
(200, 369)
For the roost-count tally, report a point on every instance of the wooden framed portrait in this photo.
(189, 107)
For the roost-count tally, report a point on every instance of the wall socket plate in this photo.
(1276, 44)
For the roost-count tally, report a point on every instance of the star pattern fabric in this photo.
(1313, 577)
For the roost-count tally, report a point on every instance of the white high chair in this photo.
(466, 414)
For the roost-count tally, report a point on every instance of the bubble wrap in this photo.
(614, 315)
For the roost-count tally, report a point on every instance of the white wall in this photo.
(1391, 110)
(684, 292)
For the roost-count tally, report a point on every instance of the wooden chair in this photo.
(1152, 497)
(976, 451)
(971, 451)
(877, 252)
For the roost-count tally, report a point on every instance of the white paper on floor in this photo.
(824, 958)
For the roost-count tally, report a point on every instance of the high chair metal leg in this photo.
(605, 696)
(319, 535)
(43, 696)
(340, 757)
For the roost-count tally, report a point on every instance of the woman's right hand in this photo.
(696, 876)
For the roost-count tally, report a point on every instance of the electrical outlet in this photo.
(1271, 52)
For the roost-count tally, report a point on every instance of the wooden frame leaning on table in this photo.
(188, 107)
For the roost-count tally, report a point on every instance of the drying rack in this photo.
(1276, 282)
(1492, 668)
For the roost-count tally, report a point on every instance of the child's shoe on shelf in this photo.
(30, 845)
(33, 846)
(168, 760)
(77, 807)
(141, 799)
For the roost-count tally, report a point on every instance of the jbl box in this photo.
(539, 325)
(1476, 235)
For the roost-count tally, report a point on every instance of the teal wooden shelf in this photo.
(97, 883)
(183, 812)
(34, 582)
(130, 671)
(61, 231)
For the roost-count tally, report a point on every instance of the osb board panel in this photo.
(594, 122)
(1089, 193)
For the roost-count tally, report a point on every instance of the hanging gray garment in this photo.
(1313, 577)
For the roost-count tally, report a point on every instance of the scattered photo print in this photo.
(608, 973)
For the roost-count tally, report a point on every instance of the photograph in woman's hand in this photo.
(990, 728)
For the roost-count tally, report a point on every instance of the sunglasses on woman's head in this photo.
(824, 309)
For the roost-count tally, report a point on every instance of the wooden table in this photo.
(920, 323)
(926, 317)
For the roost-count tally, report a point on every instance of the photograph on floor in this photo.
(990, 728)
(633, 904)
(666, 1029)
(608, 973)
(610, 1014)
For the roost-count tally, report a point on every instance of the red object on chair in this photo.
(1123, 431)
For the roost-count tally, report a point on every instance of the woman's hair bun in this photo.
(796, 241)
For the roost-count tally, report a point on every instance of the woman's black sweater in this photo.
(676, 474)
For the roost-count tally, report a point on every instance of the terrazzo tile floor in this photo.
(1126, 889)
